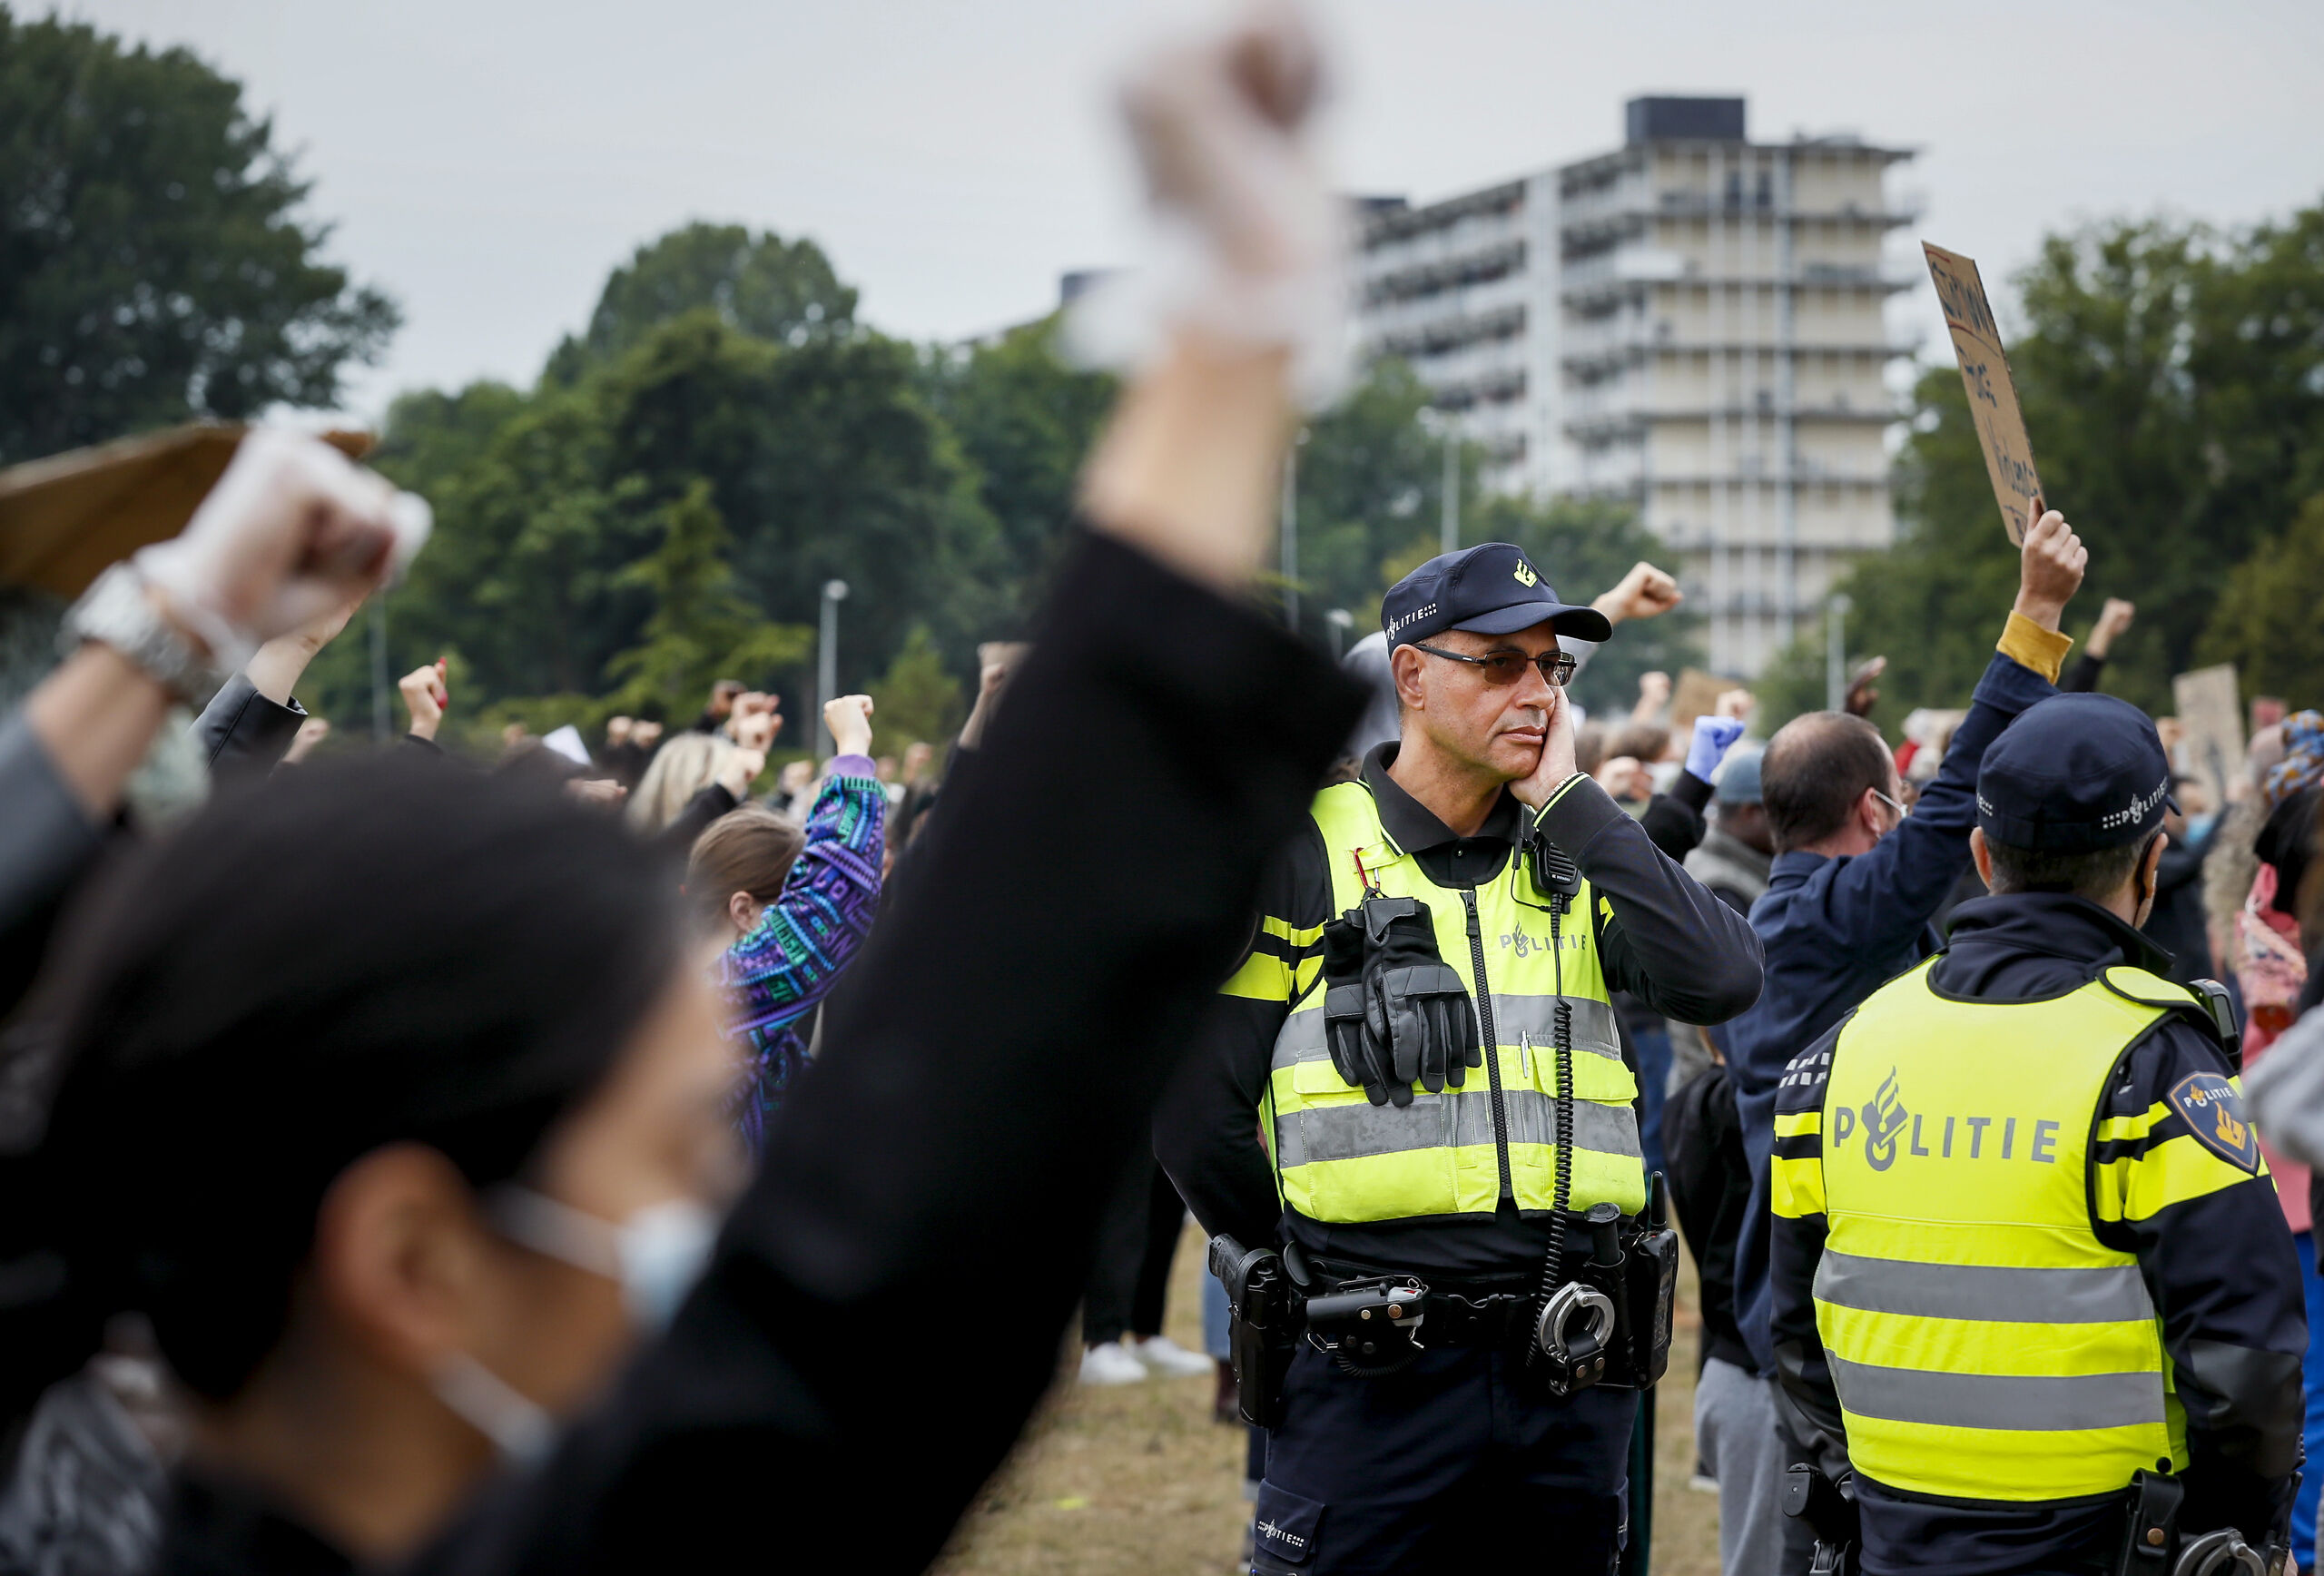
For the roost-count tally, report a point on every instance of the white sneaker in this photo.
(1167, 1360)
(1108, 1363)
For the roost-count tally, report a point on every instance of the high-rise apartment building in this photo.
(1693, 321)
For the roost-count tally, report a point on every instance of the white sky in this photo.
(488, 161)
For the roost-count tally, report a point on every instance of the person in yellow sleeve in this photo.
(1415, 1085)
(2027, 1265)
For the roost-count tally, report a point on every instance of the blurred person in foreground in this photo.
(1850, 893)
(1470, 902)
(791, 908)
(396, 1102)
(2027, 1268)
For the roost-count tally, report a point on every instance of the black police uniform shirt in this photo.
(1681, 950)
(2220, 1269)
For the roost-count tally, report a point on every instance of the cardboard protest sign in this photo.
(1992, 397)
(2210, 725)
(64, 518)
(1695, 696)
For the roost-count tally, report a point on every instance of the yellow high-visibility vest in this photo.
(1985, 1343)
(1340, 1159)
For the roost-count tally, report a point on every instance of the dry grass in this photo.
(1138, 1479)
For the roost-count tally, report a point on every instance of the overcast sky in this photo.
(488, 161)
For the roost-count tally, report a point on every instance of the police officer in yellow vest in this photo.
(2027, 1263)
(1415, 1085)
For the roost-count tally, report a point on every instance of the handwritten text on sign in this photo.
(1992, 397)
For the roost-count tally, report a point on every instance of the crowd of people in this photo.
(536, 1164)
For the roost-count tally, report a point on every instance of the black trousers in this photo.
(1445, 1467)
(1129, 1279)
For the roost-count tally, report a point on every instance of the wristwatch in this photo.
(118, 611)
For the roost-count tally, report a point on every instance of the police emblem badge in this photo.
(2213, 1108)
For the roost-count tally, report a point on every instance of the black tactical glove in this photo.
(1419, 1026)
(1343, 995)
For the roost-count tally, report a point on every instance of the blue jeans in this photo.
(1652, 1049)
(2311, 1375)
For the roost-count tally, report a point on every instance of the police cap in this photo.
(1489, 589)
(2075, 775)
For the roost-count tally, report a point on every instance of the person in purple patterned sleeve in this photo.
(798, 908)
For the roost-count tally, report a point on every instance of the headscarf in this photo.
(2303, 761)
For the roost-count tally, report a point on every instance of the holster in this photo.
(2151, 1534)
(1261, 1318)
(1830, 1511)
(1633, 1266)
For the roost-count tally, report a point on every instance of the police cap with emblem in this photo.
(2075, 775)
(1490, 589)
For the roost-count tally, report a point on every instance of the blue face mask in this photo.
(2200, 826)
(656, 1255)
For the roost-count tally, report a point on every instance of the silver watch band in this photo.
(117, 611)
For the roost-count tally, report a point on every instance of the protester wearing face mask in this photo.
(1849, 898)
(393, 1099)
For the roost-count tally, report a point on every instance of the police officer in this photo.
(2027, 1263)
(1422, 1014)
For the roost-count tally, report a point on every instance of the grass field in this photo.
(1138, 1479)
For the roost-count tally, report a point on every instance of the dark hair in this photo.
(2096, 873)
(352, 955)
(2287, 842)
(1645, 742)
(1815, 770)
(748, 849)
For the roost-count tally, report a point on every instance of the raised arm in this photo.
(1884, 897)
(995, 1060)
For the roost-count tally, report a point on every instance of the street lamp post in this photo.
(1290, 513)
(1449, 529)
(1836, 651)
(1342, 621)
(827, 664)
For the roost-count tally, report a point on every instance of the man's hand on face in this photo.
(1557, 756)
(2050, 569)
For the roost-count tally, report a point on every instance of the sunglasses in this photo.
(1505, 667)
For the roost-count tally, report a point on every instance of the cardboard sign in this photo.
(65, 518)
(1696, 695)
(1992, 397)
(2210, 725)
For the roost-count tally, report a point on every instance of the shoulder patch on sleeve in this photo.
(2213, 1108)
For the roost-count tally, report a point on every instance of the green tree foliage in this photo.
(761, 285)
(702, 628)
(2270, 622)
(1025, 420)
(1370, 492)
(154, 266)
(2170, 381)
(916, 699)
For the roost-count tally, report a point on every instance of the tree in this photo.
(761, 285)
(829, 464)
(702, 628)
(1025, 420)
(2168, 379)
(1370, 485)
(916, 699)
(2270, 622)
(153, 267)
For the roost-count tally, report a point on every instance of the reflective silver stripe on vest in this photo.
(1301, 1037)
(1999, 1400)
(2105, 1296)
(1455, 1118)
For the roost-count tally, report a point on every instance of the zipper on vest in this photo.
(1491, 1044)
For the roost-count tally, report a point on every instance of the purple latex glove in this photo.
(1714, 736)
